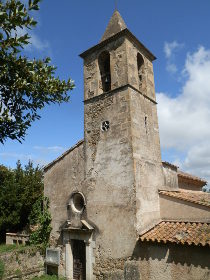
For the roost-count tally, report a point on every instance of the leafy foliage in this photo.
(20, 188)
(25, 85)
(206, 189)
(48, 277)
(40, 218)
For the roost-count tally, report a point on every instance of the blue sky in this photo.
(177, 32)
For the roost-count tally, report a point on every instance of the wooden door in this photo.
(79, 259)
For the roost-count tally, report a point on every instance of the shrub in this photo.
(40, 221)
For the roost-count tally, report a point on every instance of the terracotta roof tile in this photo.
(197, 197)
(191, 177)
(179, 233)
(169, 164)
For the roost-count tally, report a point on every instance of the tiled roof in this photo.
(189, 176)
(185, 175)
(169, 164)
(197, 197)
(179, 233)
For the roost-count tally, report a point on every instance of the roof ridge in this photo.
(63, 155)
(183, 222)
(176, 194)
(187, 175)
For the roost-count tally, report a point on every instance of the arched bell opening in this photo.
(104, 66)
(141, 72)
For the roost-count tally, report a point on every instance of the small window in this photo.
(104, 66)
(105, 126)
(20, 242)
(14, 241)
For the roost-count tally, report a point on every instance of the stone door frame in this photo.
(78, 234)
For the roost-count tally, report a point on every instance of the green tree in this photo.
(9, 205)
(25, 85)
(40, 219)
(20, 188)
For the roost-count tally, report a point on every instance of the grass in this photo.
(48, 277)
(1, 269)
(18, 248)
(7, 248)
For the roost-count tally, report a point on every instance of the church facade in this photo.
(118, 211)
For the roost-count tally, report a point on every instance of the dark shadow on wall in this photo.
(173, 253)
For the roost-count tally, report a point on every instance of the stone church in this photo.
(118, 211)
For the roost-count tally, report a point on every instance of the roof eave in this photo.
(124, 32)
(49, 165)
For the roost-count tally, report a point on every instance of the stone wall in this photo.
(118, 67)
(109, 268)
(172, 208)
(170, 177)
(123, 69)
(17, 238)
(151, 261)
(22, 263)
(131, 51)
(147, 159)
(123, 165)
(171, 262)
(60, 180)
(110, 190)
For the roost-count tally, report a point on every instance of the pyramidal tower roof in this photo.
(115, 25)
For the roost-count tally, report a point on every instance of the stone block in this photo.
(116, 275)
(131, 271)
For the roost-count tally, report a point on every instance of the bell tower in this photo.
(123, 167)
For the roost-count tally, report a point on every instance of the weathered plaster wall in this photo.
(175, 209)
(147, 159)
(109, 174)
(60, 180)
(170, 177)
(172, 262)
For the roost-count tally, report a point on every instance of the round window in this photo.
(78, 202)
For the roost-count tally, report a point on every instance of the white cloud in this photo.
(16, 155)
(170, 49)
(53, 149)
(171, 67)
(185, 119)
(35, 41)
(37, 159)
